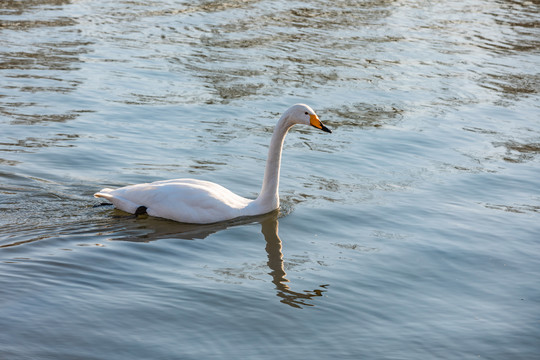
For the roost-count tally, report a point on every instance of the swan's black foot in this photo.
(141, 210)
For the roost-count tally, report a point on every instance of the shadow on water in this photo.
(154, 229)
(275, 263)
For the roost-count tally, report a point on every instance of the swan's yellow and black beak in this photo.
(314, 121)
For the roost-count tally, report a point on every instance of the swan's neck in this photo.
(268, 199)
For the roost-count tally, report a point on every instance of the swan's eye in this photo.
(306, 113)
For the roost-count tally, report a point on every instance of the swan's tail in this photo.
(118, 202)
(104, 193)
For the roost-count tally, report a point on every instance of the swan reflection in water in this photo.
(164, 229)
(276, 264)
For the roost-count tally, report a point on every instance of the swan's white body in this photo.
(204, 202)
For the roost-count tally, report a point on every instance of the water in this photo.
(411, 232)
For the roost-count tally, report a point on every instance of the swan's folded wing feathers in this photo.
(185, 200)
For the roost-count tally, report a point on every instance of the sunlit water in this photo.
(411, 232)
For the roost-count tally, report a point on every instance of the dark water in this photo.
(411, 232)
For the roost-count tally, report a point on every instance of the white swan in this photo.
(204, 202)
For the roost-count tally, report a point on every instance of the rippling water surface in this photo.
(411, 232)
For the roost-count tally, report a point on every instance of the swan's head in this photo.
(303, 114)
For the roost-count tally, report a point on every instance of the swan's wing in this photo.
(185, 200)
